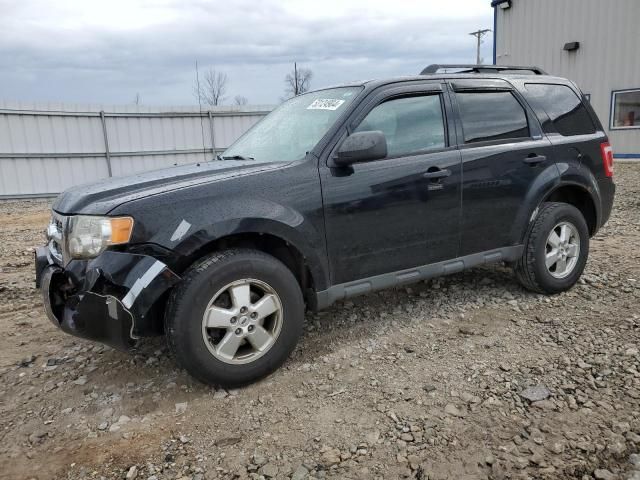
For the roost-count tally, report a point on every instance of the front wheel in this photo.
(556, 248)
(235, 317)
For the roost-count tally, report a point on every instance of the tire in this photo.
(193, 343)
(531, 269)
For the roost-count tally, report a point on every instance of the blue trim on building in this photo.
(627, 155)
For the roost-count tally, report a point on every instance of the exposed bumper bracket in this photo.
(106, 299)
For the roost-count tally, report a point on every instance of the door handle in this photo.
(436, 174)
(534, 159)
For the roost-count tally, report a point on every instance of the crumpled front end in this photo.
(109, 299)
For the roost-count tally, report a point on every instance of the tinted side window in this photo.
(411, 124)
(567, 114)
(490, 116)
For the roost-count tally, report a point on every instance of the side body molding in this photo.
(358, 287)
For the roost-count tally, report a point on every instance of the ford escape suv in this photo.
(337, 192)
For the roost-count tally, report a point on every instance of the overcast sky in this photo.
(106, 52)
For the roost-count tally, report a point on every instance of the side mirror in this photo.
(362, 147)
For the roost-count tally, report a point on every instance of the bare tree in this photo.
(298, 81)
(240, 100)
(211, 89)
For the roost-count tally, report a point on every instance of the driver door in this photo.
(402, 211)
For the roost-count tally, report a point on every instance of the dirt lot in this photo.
(427, 382)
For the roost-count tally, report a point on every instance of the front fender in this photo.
(203, 235)
(285, 202)
(193, 228)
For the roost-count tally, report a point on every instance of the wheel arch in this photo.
(579, 197)
(279, 241)
(582, 193)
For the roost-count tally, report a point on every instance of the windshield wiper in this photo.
(236, 157)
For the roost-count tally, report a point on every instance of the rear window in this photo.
(490, 116)
(565, 109)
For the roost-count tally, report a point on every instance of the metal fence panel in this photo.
(46, 148)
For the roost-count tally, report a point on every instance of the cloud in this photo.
(107, 51)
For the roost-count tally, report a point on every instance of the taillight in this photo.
(607, 158)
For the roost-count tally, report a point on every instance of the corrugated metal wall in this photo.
(534, 32)
(46, 148)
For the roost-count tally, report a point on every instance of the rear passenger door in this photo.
(503, 152)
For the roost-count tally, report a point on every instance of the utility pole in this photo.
(295, 76)
(479, 34)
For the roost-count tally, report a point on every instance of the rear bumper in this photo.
(108, 299)
(607, 194)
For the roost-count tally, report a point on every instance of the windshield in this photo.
(294, 128)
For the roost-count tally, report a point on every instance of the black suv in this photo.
(337, 192)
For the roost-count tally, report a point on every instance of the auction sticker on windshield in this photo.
(325, 104)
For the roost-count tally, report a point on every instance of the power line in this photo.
(479, 34)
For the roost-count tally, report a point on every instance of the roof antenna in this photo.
(204, 149)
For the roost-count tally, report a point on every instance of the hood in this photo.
(101, 197)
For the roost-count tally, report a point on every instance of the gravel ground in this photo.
(464, 377)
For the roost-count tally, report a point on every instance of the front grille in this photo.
(55, 237)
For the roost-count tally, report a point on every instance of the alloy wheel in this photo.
(562, 250)
(242, 321)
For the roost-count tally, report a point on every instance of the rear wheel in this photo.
(235, 317)
(555, 250)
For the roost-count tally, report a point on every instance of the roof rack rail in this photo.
(431, 69)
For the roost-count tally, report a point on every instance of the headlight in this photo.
(89, 236)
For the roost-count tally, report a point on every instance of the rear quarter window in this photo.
(567, 115)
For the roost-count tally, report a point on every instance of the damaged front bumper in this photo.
(108, 299)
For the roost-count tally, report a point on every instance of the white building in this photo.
(595, 43)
